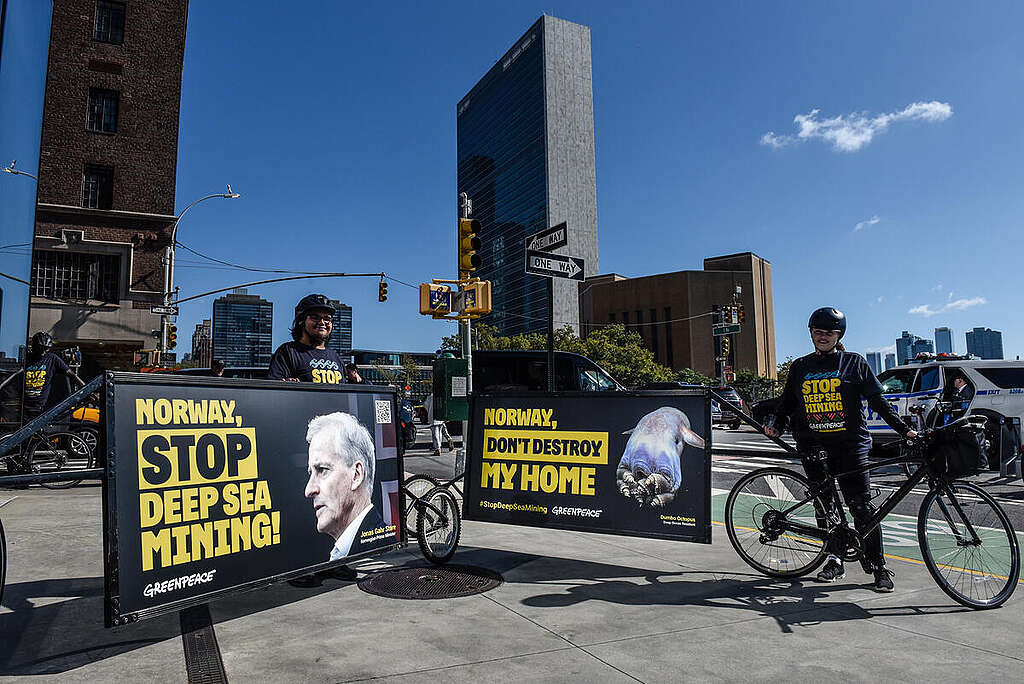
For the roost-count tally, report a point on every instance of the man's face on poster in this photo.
(332, 486)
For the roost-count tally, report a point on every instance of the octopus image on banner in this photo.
(650, 470)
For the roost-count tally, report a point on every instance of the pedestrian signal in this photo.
(469, 245)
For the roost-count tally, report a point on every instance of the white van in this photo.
(998, 390)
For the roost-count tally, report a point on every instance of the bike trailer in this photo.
(961, 452)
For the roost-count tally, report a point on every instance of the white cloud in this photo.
(891, 349)
(861, 225)
(851, 132)
(938, 288)
(957, 305)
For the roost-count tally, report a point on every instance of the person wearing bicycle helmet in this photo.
(306, 358)
(822, 405)
(41, 368)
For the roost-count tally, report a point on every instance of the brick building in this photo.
(671, 311)
(108, 154)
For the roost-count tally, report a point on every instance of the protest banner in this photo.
(211, 486)
(620, 463)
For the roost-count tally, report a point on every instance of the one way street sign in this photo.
(554, 265)
(548, 239)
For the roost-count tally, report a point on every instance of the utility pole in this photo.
(466, 332)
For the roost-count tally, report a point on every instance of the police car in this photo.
(998, 391)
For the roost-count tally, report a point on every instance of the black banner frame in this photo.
(113, 616)
(649, 394)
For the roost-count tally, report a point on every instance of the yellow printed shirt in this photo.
(308, 364)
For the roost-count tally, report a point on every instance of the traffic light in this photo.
(469, 245)
(740, 312)
(725, 347)
(382, 291)
(172, 336)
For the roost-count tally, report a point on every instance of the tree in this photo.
(753, 387)
(783, 372)
(692, 377)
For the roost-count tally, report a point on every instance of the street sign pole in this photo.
(551, 334)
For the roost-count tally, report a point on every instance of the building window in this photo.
(109, 22)
(76, 275)
(669, 360)
(654, 334)
(98, 187)
(103, 110)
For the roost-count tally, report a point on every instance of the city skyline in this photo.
(883, 110)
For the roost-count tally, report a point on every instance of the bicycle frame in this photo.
(828, 491)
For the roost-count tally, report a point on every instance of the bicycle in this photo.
(51, 450)
(783, 526)
(433, 511)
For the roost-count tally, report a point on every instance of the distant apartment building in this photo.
(526, 160)
(985, 343)
(202, 343)
(921, 345)
(242, 329)
(671, 312)
(107, 164)
(341, 332)
(943, 341)
(908, 346)
(890, 361)
(874, 361)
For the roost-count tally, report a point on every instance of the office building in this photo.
(921, 345)
(890, 361)
(985, 343)
(526, 160)
(669, 311)
(943, 341)
(874, 361)
(242, 329)
(107, 164)
(202, 344)
(341, 332)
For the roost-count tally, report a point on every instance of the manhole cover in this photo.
(433, 582)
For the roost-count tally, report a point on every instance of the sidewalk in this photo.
(574, 607)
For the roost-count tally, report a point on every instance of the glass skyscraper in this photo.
(985, 343)
(242, 328)
(341, 333)
(875, 361)
(943, 341)
(526, 160)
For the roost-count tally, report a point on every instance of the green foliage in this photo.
(692, 377)
(619, 351)
(784, 372)
(753, 387)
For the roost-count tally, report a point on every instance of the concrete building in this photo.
(202, 344)
(890, 361)
(341, 331)
(985, 343)
(671, 312)
(526, 160)
(943, 341)
(108, 154)
(874, 361)
(242, 329)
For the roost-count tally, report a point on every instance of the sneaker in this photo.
(883, 580)
(341, 572)
(832, 571)
(437, 452)
(306, 581)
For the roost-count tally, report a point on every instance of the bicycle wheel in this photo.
(415, 488)
(439, 525)
(755, 523)
(977, 570)
(59, 451)
(3, 561)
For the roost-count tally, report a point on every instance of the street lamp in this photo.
(18, 172)
(169, 258)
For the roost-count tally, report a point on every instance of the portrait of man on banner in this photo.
(341, 467)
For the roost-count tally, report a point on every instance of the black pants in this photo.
(856, 488)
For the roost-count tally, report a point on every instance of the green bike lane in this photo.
(899, 532)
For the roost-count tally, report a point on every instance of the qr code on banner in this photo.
(383, 409)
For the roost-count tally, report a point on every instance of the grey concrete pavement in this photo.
(573, 607)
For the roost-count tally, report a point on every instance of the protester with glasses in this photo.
(822, 400)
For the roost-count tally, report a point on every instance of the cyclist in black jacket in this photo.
(823, 400)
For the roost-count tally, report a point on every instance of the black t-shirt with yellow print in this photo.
(308, 364)
(823, 397)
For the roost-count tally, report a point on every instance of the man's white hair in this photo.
(347, 439)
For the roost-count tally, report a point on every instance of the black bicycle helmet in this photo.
(827, 318)
(41, 341)
(306, 304)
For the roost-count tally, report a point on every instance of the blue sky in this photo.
(901, 203)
